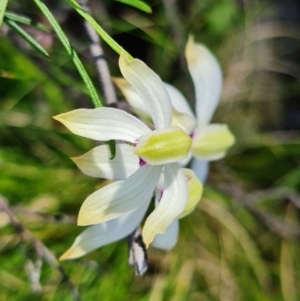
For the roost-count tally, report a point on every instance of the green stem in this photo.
(71, 52)
(3, 5)
(24, 20)
(103, 34)
(26, 37)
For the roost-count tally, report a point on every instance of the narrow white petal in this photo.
(200, 168)
(105, 233)
(103, 124)
(131, 96)
(120, 197)
(150, 88)
(171, 205)
(167, 240)
(179, 102)
(207, 77)
(97, 163)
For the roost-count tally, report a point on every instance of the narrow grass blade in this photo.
(138, 4)
(28, 38)
(71, 52)
(77, 62)
(3, 5)
(24, 20)
(102, 33)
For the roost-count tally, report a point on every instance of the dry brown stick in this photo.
(40, 248)
(178, 33)
(47, 218)
(176, 27)
(98, 56)
(282, 192)
(276, 225)
(137, 250)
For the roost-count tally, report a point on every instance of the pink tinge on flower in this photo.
(192, 134)
(142, 162)
(161, 190)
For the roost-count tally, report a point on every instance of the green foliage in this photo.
(27, 37)
(220, 17)
(3, 5)
(71, 52)
(24, 20)
(137, 4)
(102, 33)
(237, 245)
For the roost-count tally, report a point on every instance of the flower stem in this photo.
(99, 59)
(71, 52)
(103, 34)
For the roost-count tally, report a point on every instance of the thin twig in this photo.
(137, 250)
(98, 56)
(276, 225)
(47, 218)
(176, 27)
(40, 249)
(233, 187)
(178, 33)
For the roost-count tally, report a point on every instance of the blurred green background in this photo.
(242, 241)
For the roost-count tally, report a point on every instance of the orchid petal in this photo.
(195, 190)
(97, 163)
(178, 100)
(183, 121)
(167, 240)
(200, 168)
(207, 77)
(186, 160)
(150, 88)
(131, 96)
(171, 205)
(211, 142)
(164, 146)
(105, 233)
(103, 124)
(120, 197)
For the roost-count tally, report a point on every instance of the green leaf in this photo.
(71, 52)
(138, 4)
(3, 4)
(24, 20)
(102, 33)
(221, 16)
(29, 39)
(112, 148)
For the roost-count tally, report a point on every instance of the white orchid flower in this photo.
(157, 150)
(96, 163)
(209, 141)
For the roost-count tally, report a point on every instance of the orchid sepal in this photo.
(103, 124)
(121, 197)
(211, 142)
